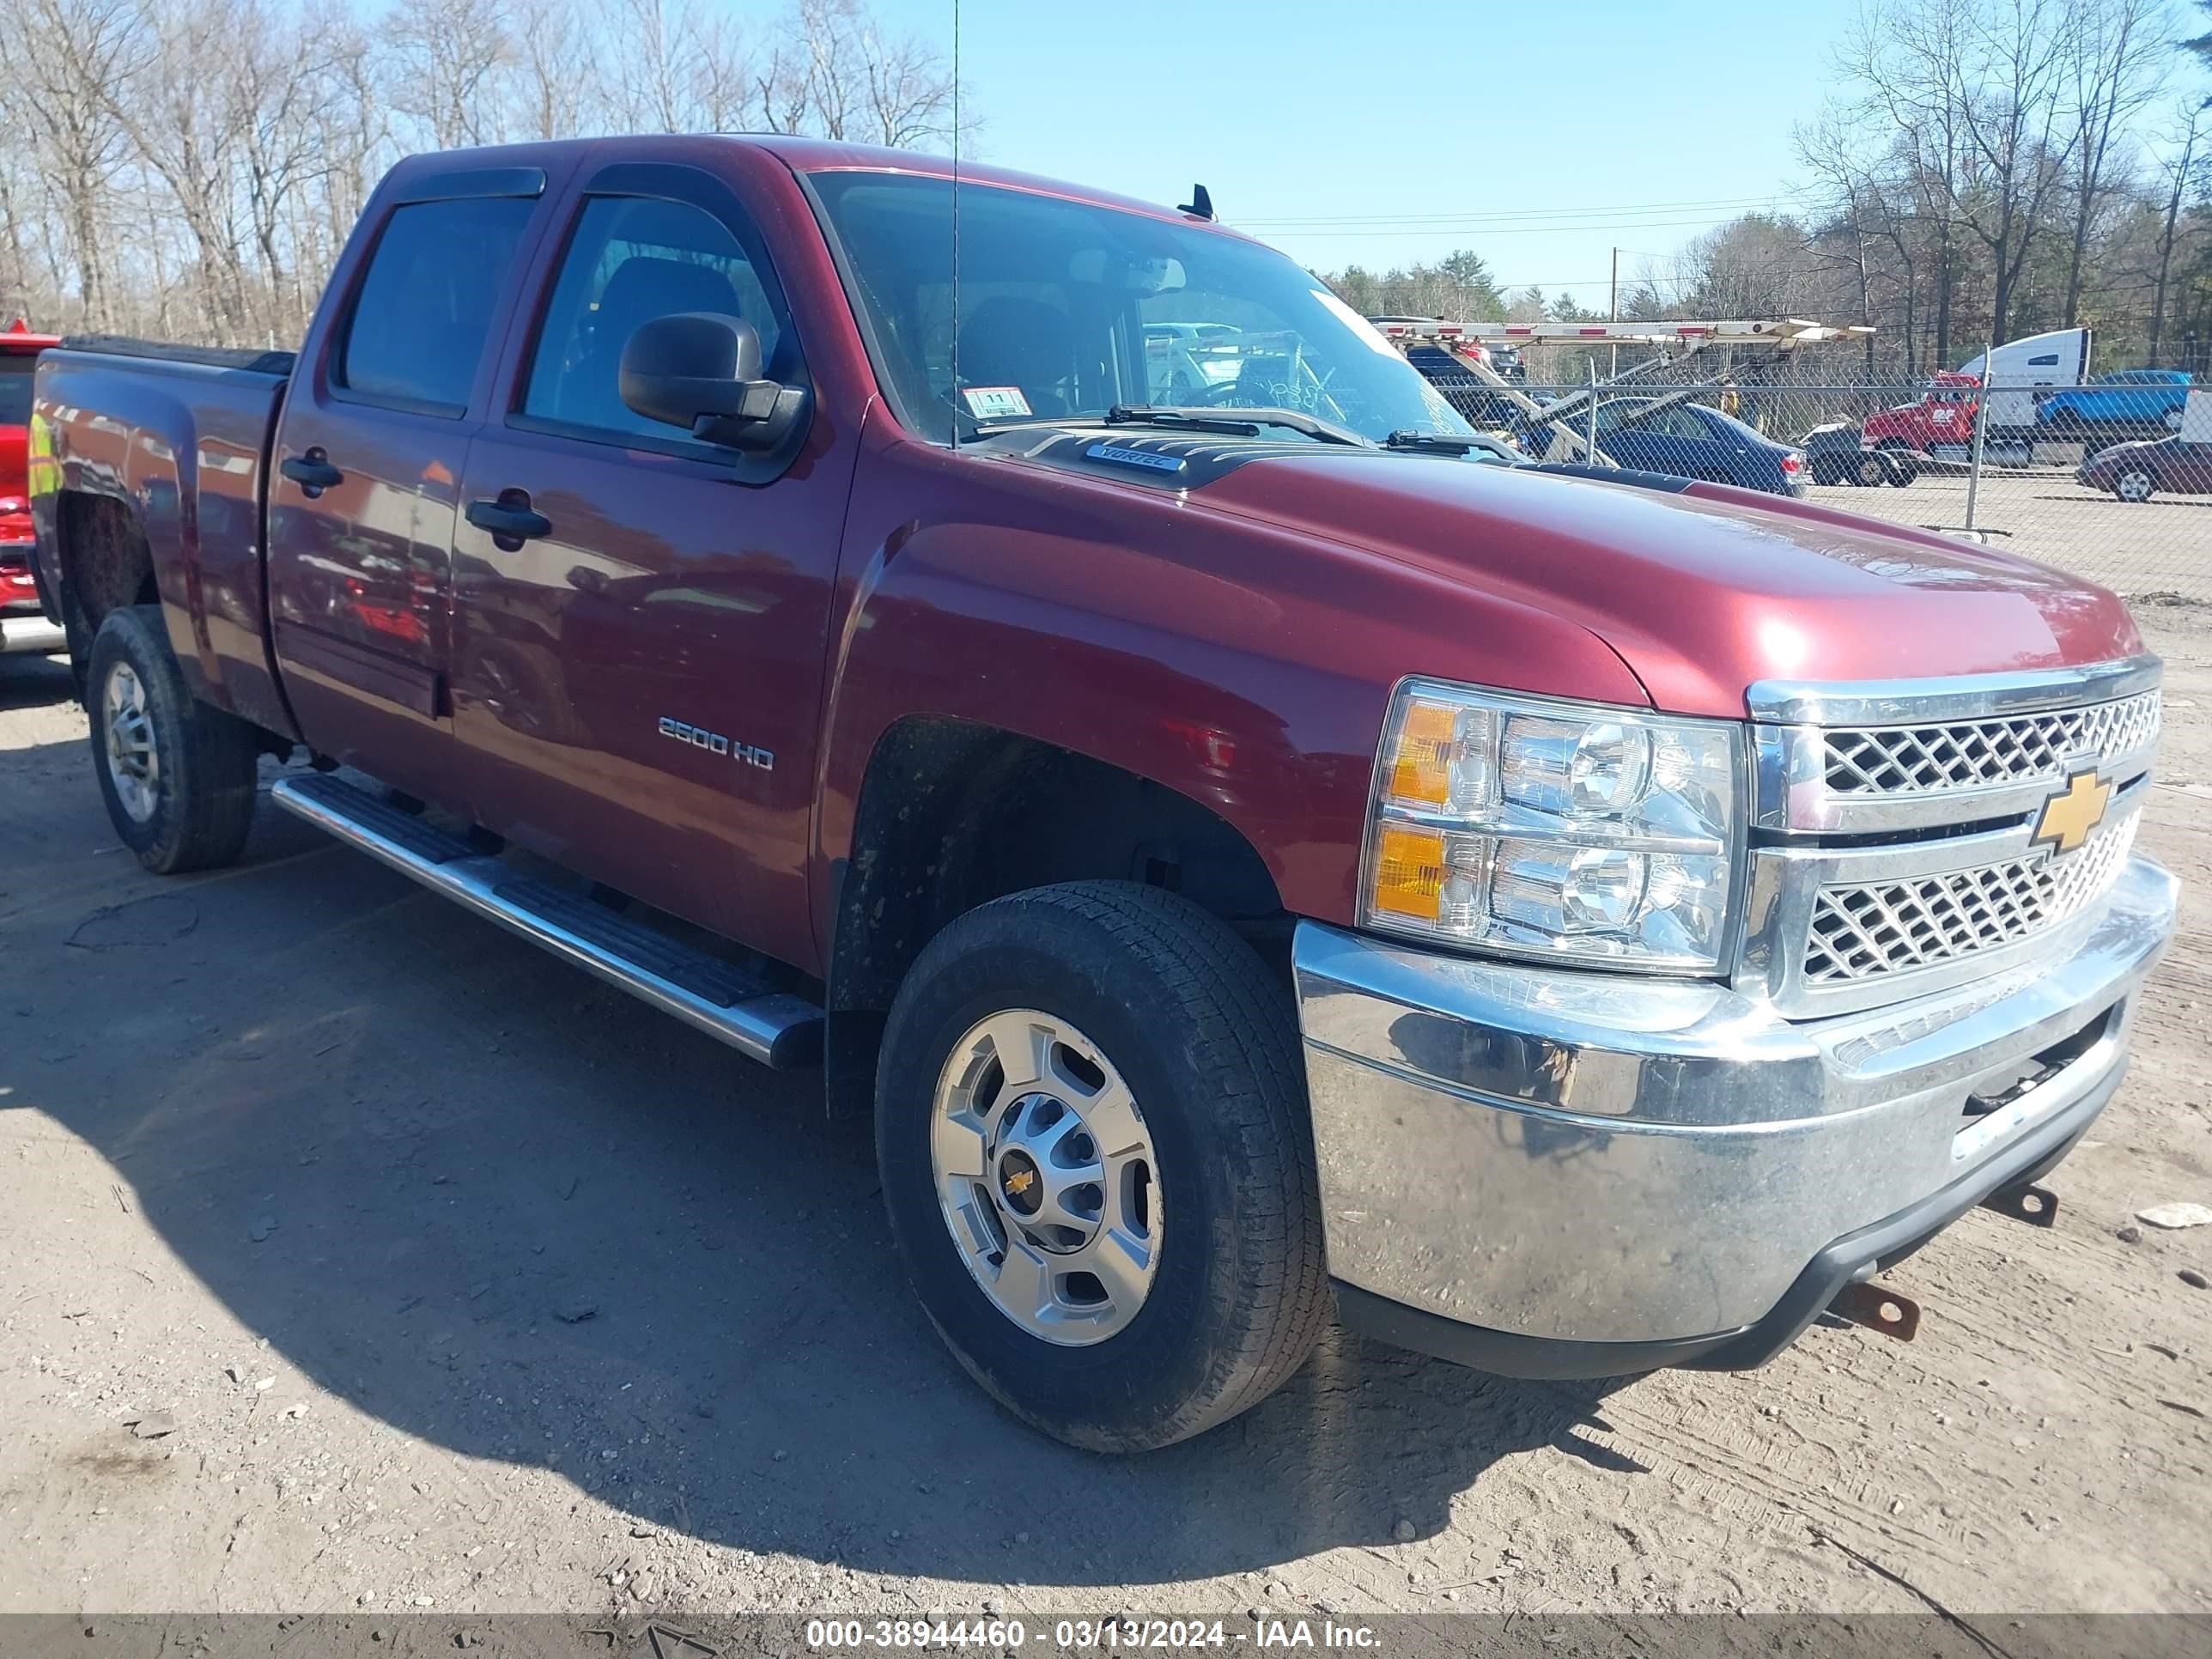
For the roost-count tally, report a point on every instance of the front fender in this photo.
(1244, 665)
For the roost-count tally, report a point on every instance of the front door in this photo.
(364, 495)
(639, 615)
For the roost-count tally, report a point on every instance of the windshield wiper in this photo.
(1447, 443)
(1237, 423)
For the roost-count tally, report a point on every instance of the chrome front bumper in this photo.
(1592, 1168)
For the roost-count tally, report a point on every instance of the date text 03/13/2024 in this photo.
(1085, 1635)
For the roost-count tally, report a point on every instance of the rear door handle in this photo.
(312, 471)
(509, 519)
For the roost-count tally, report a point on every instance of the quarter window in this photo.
(427, 302)
(633, 259)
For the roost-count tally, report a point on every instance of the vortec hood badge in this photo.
(1129, 457)
(2068, 817)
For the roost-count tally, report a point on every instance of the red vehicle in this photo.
(1257, 858)
(1944, 414)
(22, 627)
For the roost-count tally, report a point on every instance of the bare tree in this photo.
(554, 87)
(448, 57)
(87, 49)
(199, 165)
(2114, 52)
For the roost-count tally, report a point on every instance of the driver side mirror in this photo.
(700, 371)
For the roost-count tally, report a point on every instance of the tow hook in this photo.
(2036, 1205)
(1878, 1309)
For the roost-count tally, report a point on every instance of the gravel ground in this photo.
(358, 1256)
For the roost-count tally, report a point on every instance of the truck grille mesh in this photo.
(1893, 927)
(1910, 760)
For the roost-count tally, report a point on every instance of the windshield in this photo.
(1068, 309)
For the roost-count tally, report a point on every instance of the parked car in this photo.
(1690, 440)
(1502, 359)
(2128, 400)
(1254, 863)
(1835, 454)
(23, 628)
(2136, 471)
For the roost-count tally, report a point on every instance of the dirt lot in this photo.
(433, 1274)
(2160, 547)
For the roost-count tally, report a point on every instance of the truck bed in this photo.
(178, 438)
(244, 357)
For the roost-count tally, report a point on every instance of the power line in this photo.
(1472, 215)
(1434, 231)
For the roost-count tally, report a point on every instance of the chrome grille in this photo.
(1976, 754)
(1861, 932)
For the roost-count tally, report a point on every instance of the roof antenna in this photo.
(1200, 204)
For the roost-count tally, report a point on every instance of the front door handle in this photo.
(509, 519)
(312, 471)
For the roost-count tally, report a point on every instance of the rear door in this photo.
(637, 677)
(369, 455)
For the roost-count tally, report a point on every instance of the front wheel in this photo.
(177, 776)
(2134, 484)
(1093, 1132)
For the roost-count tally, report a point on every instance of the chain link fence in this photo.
(2102, 481)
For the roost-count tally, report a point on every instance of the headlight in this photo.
(1540, 828)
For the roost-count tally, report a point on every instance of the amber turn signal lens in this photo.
(1422, 769)
(1409, 873)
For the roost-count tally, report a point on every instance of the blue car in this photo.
(1690, 440)
(2126, 400)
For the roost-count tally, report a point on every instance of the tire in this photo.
(2134, 484)
(1167, 997)
(178, 777)
(1903, 469)
(1872, 470)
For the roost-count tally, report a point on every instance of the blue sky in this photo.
(1540, 135)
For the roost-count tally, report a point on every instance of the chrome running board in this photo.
(772, 1026)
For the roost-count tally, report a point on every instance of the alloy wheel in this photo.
(1045, 1176)
(134, 762)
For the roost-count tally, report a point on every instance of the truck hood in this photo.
(1703, 591)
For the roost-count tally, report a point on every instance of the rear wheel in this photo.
(1870, 471)
(1898, 454)
(178, 777)
(1093, 1132)
(2134, 484)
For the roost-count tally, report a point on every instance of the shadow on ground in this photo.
(33, 682)
(509, 1211)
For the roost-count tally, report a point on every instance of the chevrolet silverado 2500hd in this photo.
(1247, 842)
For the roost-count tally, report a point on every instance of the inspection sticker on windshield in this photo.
(992, 402)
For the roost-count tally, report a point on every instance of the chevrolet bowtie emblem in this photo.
(1020, 1182)
(2068, 817)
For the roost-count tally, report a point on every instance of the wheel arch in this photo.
(953, 813)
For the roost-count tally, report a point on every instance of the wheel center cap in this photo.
(1021, 1185)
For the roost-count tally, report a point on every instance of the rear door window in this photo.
(424, 313)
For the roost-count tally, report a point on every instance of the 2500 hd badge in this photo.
(715, 744)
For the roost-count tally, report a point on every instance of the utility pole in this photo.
(1615, 309)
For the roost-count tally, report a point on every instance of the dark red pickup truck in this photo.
(1260, 854)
